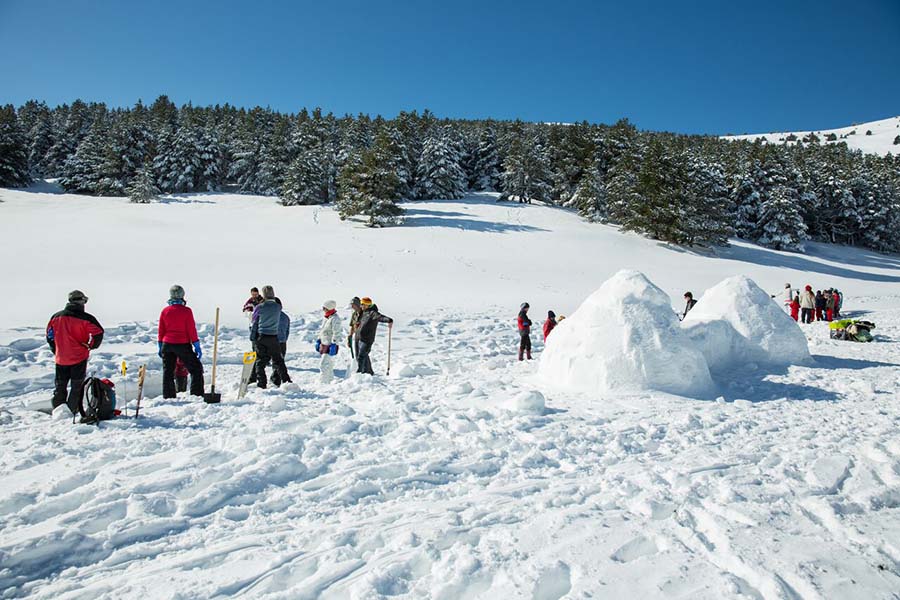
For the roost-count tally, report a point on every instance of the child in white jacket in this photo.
(329, 340)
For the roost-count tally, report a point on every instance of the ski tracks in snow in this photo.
(438, 483)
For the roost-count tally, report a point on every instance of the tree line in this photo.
(684, 189)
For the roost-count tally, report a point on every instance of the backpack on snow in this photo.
(98, 402)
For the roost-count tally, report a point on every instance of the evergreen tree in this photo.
(369, 187)
(13, 150)
(590, 196)
(526, 169)
(780, 224)
(440, 175)
(83, 171)
(142, 188)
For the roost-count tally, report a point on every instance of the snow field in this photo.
(463, 474)
(881, 141)
(454, 483)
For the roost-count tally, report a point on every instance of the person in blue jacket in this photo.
(264, 331)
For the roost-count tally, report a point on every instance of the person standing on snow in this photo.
(284, 332)
(788, 297)
(549, 324)
(795, 308)
(264, 332)
(72, 334)
(178, 338)
(689, 303)
(807, 304)
(252, 302)
(356, 307)
(524, 325)
(838, 303)
(327, 344)
(829, 305)
(820, 305)
(366, 329)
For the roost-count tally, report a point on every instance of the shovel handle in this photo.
(215, 350)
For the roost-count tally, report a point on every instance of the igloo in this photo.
(736, 323)
(625, 338)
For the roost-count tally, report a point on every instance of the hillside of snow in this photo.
(462, 474)
(881, 141)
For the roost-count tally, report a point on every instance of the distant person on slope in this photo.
(829, 305)
(327, 344)
(72, 334)
(524, 325)
(549, 324)
(838, 303)
(795, 308)
(689, 303)
(284, 332)
(820, 305)
(365, 334)
(264, 332)
(807, 304)
(178, 339)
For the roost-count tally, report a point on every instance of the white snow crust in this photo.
(736, 323)
(625, 338)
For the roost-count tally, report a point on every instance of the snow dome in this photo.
(625, 337)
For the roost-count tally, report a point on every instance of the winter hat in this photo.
(329, 305)
(268, 292)
(354, 301)
(551, 314)
(525, 305)
(809, 288)
(176, 292)
(787, 285)
(366, 301)
(77, 297)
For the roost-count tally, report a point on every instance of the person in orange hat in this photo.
(365, 333)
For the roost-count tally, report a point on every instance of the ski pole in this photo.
(390, 329)
(125, 386)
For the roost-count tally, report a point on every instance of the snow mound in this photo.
(529, 401)
(625, 338)
(736, 323)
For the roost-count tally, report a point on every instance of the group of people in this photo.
(72, 333)
(807, 306)
(523, 322)
(270, 329)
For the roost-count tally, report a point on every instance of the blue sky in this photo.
(679, 65)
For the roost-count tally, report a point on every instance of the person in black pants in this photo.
(264, 331)
(72, 334)
(365, 334)
(524, 325)
(177, 339)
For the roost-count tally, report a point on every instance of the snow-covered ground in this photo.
(461, 475)
(880, 142)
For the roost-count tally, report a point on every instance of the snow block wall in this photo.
(736, 323)
(625, 338)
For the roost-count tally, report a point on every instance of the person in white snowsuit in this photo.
(788, 297)
(329, 340)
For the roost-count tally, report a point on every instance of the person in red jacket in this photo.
(795, 308)
(72, 334)
(524, 324)
(549, 324)
(178, 339)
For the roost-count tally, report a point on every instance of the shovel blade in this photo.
(212, 398)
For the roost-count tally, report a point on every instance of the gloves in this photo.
(318, 345)
(333, 350)
(159, 348)
(197, 350)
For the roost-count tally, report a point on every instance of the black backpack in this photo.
(98, 402)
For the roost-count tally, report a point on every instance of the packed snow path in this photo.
(449, 479)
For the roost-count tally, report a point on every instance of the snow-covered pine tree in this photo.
(571, 152)
(706, 213)
(142, 188)
(39, 134)
(73, 124)
(83, 171)
(484, 174)
(590, 196)
(440, 175)
(369, 187)
(526, 168)
(780, 225)
(13, 150)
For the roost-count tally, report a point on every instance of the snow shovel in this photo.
(390, 329)
(212, 397)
